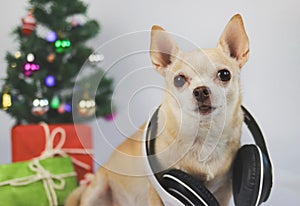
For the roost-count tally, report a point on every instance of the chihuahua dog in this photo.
(199, 123)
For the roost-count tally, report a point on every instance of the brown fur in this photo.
(203, 145)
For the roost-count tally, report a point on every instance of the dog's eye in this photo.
(179, 80)
(224, 75)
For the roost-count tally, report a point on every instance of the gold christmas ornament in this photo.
(6, 100)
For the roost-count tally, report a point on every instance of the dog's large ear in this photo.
(163, 49)
(234, 40)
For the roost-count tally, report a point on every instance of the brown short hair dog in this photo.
(199, 123)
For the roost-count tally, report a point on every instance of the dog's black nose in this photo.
(201, 93)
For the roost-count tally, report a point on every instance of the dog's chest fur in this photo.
(203, 149)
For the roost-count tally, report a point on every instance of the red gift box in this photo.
(43, 141)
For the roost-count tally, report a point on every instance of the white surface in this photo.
(270, 79)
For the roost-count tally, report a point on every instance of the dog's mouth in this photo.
(204, 109)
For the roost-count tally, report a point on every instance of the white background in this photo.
(270, 79)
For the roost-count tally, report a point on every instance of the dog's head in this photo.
(202, 82)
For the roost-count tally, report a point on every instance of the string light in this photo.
(51, 36)
(62, 45)
(51, 58)
(96, 58)
(13, 65)
(50, 81)
(40, 102)
(39, 106)
(68, 107)
(61, 109)
(18, 55)
(110, 117)
(86, 107)
(30, 57)
(29, 68)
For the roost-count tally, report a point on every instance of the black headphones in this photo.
(252, 173)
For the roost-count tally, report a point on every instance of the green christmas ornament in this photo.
(55, 102)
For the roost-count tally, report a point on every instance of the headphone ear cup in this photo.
(187, 189)
(247, 176)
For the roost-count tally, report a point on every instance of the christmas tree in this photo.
(42, 82)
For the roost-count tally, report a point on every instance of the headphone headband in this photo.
(256, 132)
(266, 161)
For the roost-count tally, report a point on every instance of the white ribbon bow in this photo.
(51, 151)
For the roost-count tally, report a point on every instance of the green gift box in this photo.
(37, 182)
